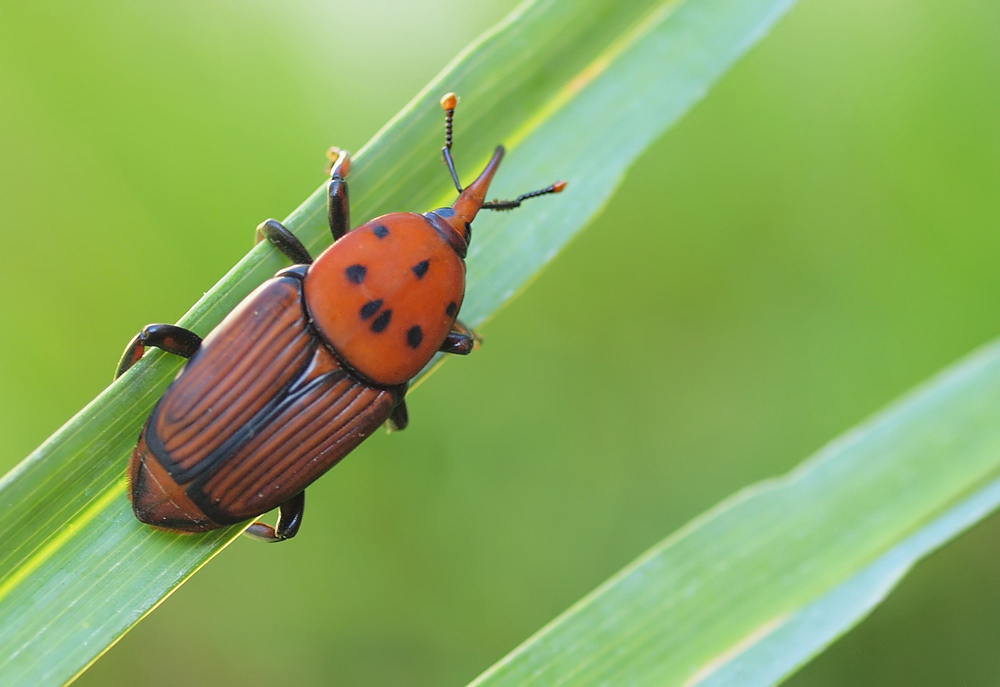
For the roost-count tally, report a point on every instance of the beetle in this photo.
(309, 364)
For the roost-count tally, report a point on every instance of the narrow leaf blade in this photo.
(753, 589)
(575, 88)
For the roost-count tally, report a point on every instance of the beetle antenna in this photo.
(511, 204)
(448, 102)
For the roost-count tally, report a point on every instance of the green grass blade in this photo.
(750, 591)
(575, 88)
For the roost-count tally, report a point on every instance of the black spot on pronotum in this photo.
(382, 321)
(452, 309)
(381, 231)
(420, 269)
(356, 273)
(370, 308)
(414, 336)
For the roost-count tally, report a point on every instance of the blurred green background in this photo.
(819, 235)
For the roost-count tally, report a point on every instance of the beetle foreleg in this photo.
(337, 205)
(289, 521)
(284, 240)
(167, 337)
(460, 341)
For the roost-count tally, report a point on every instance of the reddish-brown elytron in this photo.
(309, 364)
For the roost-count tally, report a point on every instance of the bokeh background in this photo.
(816, 237)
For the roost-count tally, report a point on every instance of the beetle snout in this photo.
(472, 198)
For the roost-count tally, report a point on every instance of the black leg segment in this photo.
(289, 520)
(399, 418)
(338, 207)
(458, 344)
(167, 337)
(284, 240)
(460, 341)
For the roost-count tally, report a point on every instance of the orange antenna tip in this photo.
(558, 186)
(449, 101)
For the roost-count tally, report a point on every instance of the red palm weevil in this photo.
(309, 364)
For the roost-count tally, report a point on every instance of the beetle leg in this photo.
(168, 337)
(399, 418)
(289, 521)
(460, 341)
(284, 240)
(337, 204)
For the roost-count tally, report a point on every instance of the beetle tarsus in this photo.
(289, 520)
(167, 337)
(337, 205)
(284, 240)
(340, 162)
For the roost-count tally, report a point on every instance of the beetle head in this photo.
(460, 215)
